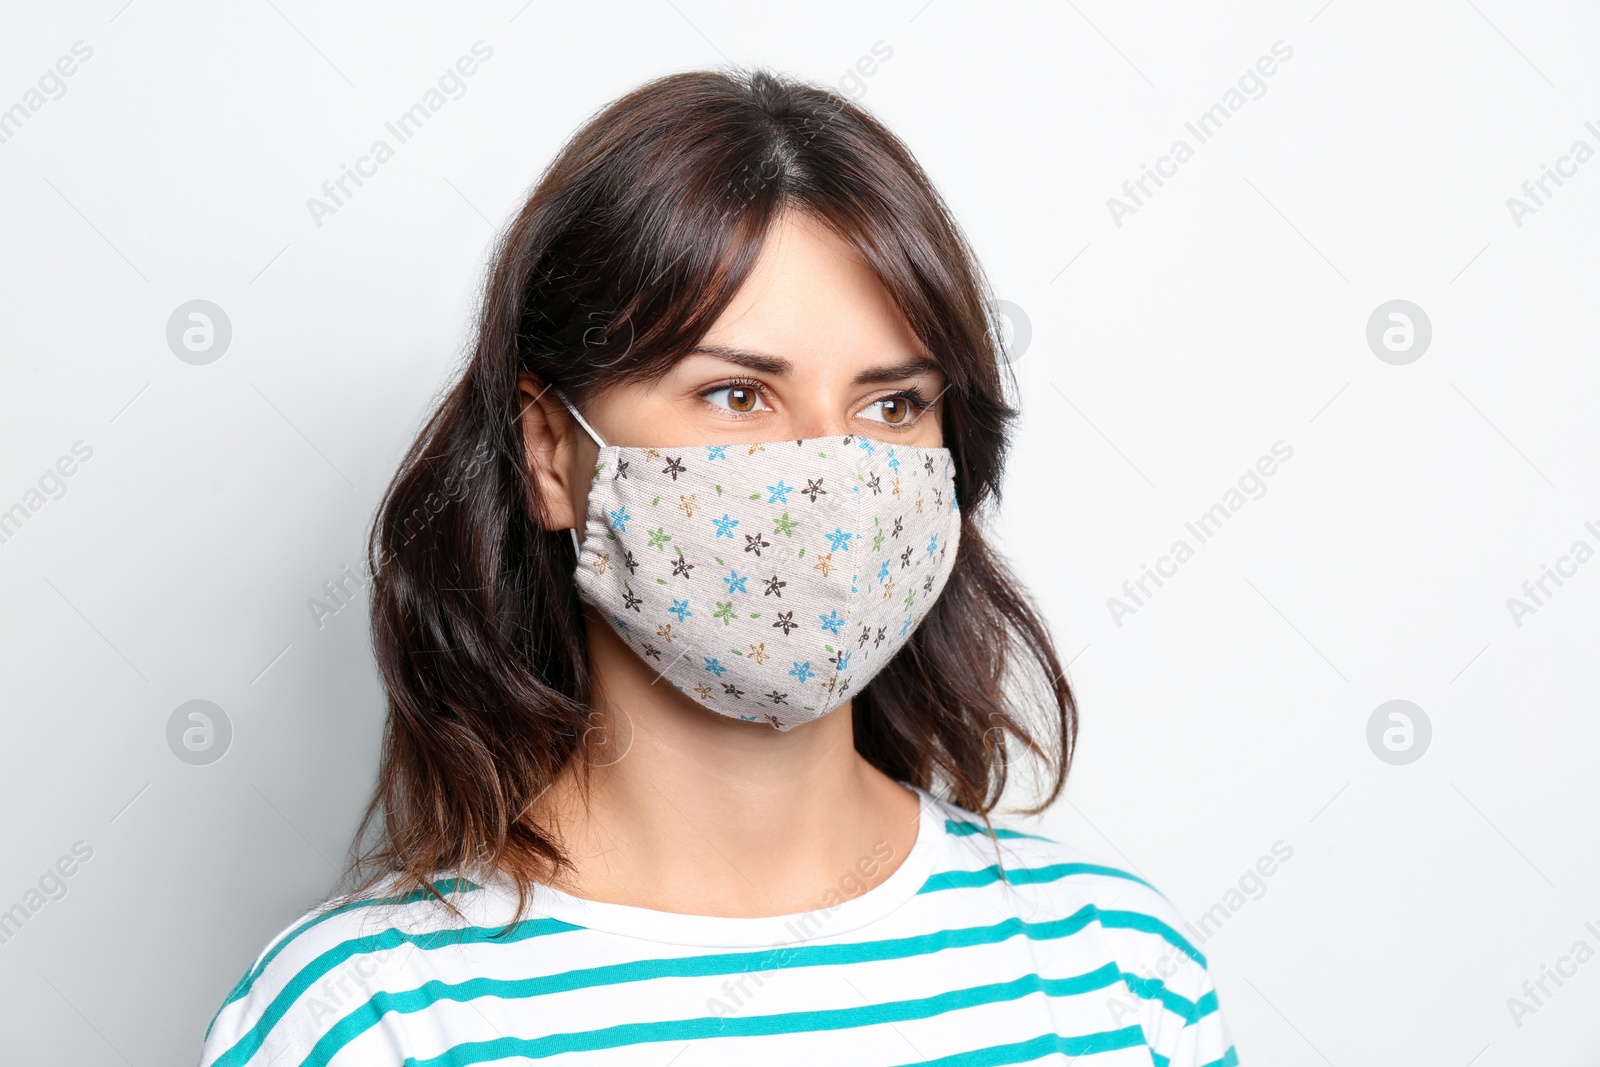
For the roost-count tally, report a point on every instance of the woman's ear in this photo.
(555, 455)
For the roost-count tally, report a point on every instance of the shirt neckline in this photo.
(720, 931)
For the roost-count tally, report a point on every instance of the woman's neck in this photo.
(685, 810)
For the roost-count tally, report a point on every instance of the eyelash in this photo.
(911, 396)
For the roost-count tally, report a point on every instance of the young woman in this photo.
(702, 679)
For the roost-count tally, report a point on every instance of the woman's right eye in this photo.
(740, 399)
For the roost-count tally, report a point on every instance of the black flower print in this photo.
(674, 467)
(866, 635)
(630, 601)
(775, 586)
(875, 484)
(754, 543)
(882, 635)
(629, 562)
(682, 566)
(814, 489)
(622, 468)
(729, 689)
(786, 622)
(651, 650)
(777, 697)
(898, 526)
(905, 557)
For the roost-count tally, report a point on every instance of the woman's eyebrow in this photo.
(895, 372)
(777, 365)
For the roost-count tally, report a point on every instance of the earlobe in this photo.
(547, 450)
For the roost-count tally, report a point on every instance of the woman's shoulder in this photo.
(331, 958)
(1090, 917)
(1075, 903)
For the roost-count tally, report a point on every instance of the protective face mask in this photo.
(769, 582)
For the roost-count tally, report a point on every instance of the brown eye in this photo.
(742, 399)
(895, 409)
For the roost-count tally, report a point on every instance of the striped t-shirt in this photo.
(974, 951)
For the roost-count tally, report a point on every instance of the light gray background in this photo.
(1166, 355)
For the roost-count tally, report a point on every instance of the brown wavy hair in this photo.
(628, 249)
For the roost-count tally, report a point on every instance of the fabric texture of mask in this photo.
(771, 581)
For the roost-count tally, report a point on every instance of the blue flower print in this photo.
(839, 539)
(933, 544)
(736, 582)
(894, 461)
(620, 519)
(844, 660)
(716, 452)
(680, 608)
(714, 667)
(780, 492)
(803, 671)
(831, 622)
(725, 526)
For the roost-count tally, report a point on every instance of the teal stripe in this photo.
(795, 1022)
(1021, 876)
(1229, 1058)
(957, 828)
(444, 886)
(253, 1038)
(1044, 1045)
(368, 1015)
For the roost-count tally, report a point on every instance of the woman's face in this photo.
(811, 346)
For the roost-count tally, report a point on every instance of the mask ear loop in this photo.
(593, 436)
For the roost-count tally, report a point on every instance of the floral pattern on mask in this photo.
(769, 582)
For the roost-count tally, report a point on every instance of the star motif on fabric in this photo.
(680, 608)
(839, 540)
(674, 467)
(658, 538)
(736, 582)
(622, 468)
(905, 557)
(629, 600)
(785, 525)
(814, 489)
(716, 452)
(802, 671)
(629, 562)
(687, 504)
(652, 651)
(725, 612)
(602, 562)
(729, 689)
(832, 622)
(619, 519)
(786, 622)
(664, 632)
(704, 690)
(777, 697)
(779, 493)
(682, 566)
(825, 564)
(775, 587)
(714, 667)
(755, 543)
(758, 652)
(725, 526)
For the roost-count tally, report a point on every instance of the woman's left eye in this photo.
(898, 410)
(740, 399)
